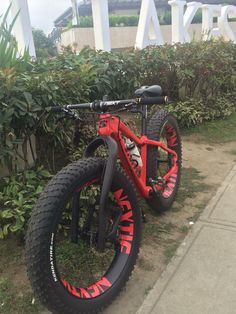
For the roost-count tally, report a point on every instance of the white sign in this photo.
(149, 31)
(224, 28)
(22, 28)
(101, 25)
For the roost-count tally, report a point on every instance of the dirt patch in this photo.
(214, 163)
(205, 166)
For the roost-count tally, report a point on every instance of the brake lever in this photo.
(129, 105)
(71, 113)
(136, 109)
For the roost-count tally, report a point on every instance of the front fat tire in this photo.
(47, 211)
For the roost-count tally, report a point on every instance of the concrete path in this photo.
(201, 279)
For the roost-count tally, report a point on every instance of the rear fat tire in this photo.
(155, 126)
(39, 236)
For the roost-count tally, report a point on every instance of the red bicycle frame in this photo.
(113, 133)
(112, 126)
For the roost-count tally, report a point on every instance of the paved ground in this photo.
(201, 279)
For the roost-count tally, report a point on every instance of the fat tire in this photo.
(157, 202)
(40, 227)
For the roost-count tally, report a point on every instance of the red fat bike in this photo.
(84, 234)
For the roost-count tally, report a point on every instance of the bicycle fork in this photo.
(108, 174)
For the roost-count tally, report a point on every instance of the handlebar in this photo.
(159, 100)
(103, 106)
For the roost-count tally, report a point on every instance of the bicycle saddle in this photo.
(148, 91)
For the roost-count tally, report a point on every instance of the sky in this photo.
(42, 12)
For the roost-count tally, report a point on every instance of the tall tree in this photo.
(44, 46)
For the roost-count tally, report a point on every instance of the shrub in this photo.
(24, 99)
(130, 20)
(166, 20)
(199, 77)
(18, 195)
(114, 20)
(126, 20)
(86, 21)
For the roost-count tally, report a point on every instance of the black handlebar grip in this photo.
(56, 109)
(80, 106)
(159, 100)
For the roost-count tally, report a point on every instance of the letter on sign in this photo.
(101, 25)
(177, 14)
(209, 11)
(149, 32)
(225, 29)
(189, 14)
(22, 27)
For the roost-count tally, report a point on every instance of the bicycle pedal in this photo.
(161, 181)
(153, 185)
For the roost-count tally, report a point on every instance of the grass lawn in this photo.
(215, 132)
(16, 296)
(12, 300)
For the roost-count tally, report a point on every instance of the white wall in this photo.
(122, 37)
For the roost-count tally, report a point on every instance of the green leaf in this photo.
(45, 173)
(1, 233)
(39, 190)
(7, 214)
(5, 230)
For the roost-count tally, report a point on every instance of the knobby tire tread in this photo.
(155, 124)
(39, 228)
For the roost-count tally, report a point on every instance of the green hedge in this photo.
(131, 20)
(199, 77)
(114, 20)
(18, 195)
